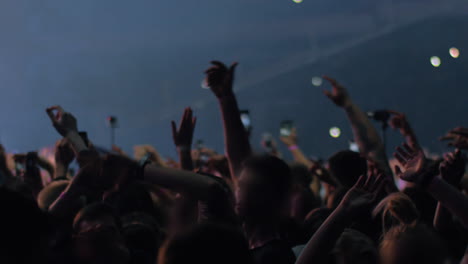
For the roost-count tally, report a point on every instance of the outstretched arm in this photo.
(359, 198)
(196, 185)
(291, 142)
(220, 80)
(365, 134)
(183, 138)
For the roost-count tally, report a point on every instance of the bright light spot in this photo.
(297, 1)
(435, 61)
(204, 84)
(335, 132)
(316, 81)
(454, 52)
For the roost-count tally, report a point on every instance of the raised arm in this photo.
(357, 200)
(365, 134)
(64, 155)
(452, 170)
(183, 138)
(291, 142)
(414, 169)
(220, 80)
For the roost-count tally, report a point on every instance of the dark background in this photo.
(143, 61)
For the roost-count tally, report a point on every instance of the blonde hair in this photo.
(396, 209)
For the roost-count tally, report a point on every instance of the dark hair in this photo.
(274, 170)
(92, 212)
(347, 166)
(23, 228)
(300, 174)
(206, 243)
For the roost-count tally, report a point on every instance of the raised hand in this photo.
(220, 78)
(457, 137)
(338, 94)
(63, 122)
(399, 121)
(365, 192)
(413, 165)
(452, 168)
(290, 140)
(184, 135)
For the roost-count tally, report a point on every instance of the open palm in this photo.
(412, 161)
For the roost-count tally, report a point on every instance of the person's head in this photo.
(50, 193)
(411, 244)
(396, 209)
(300, 175)
(347, 166)
(208, 244)
(263, 188)
(143, 237)
(24, 230)
(97, 236)
(355, 247)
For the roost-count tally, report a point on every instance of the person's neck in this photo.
(260, 232)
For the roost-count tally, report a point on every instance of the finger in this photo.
(381, 186)
(399, 158)
(409, 149)
(447, 137)
(174, 129)
(328, 94)
(50, 113)
(360, 182)
(377, 182)
(219, 64)
(330, 80)
(233, 66)
(369, 181)
(403, 153)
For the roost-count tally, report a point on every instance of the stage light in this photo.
(297, 1)
(454, 52)
(435, 61)
(335, 132)
(316, 81)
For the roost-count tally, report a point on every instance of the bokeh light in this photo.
(454, 52)
(316, 81)
(335, 132)
(435, 61)
(297, 1)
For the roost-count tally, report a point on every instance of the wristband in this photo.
(293, 147)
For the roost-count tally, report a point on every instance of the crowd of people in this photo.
(237, 207)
